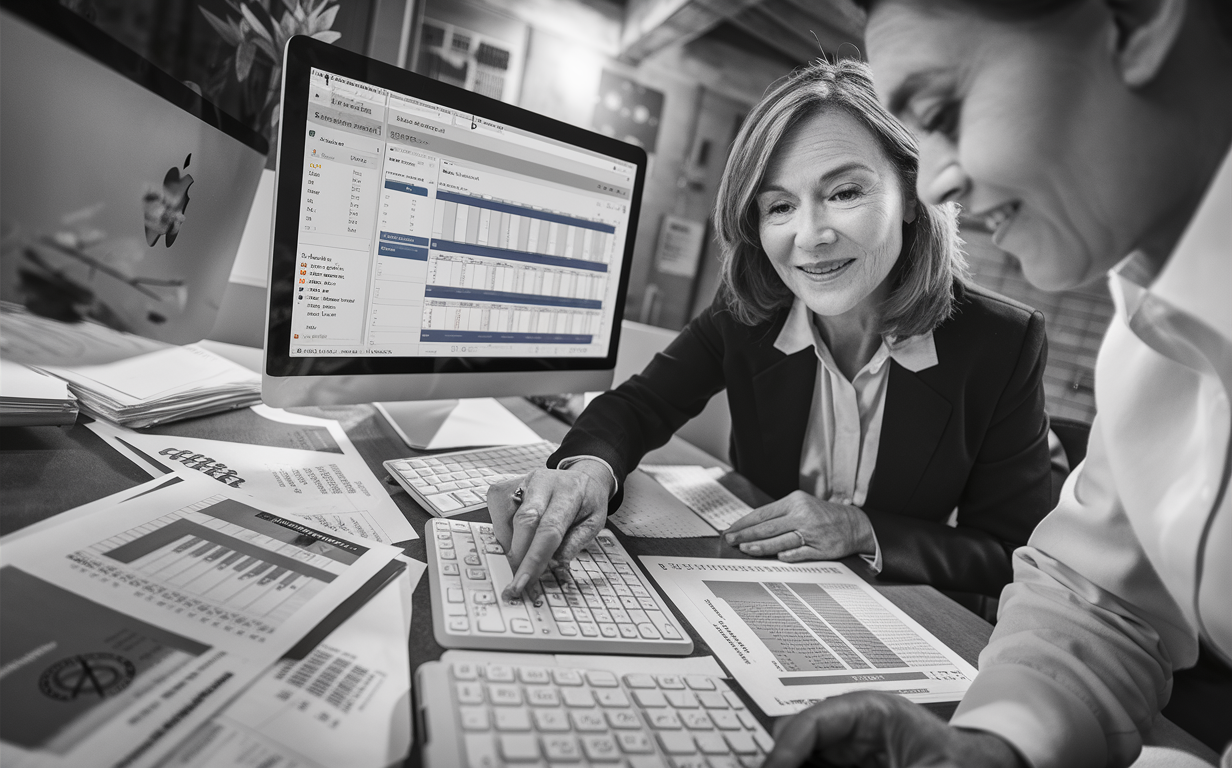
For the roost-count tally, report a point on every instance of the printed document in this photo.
(793, 634)
(129, 621)
(280, 457)
(348, 703)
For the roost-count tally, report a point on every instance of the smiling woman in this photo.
(874, 392)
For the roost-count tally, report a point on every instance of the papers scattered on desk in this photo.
(131, 620)
(30, 398)
(699, 489)
(793, 634)
(650, 512)
(162, 386)
(323, 475)
(346, 704)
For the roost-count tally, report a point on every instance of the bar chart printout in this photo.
(131, 620)
(794, 634)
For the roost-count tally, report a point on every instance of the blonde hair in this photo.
(931, 260)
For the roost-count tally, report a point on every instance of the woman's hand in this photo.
(561, 512)
(801, 526)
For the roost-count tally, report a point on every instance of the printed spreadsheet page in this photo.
(793, 634)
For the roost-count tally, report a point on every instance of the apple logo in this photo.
(165, 206)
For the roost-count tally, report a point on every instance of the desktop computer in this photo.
(123, 192)
(433, 243)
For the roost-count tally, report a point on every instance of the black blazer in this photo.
(968, 433)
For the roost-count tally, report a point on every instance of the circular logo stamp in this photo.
(89, 674)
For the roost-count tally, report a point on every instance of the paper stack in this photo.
(29, 397)
(165, 385)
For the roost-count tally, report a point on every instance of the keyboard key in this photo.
(481, 751)
(474, 718)
(504, 694)
(490, 623)
(588, 630)
(747, 719)
(713, 700)
(567, 630)
(483, 597)
(458, 624)
(763, 740)
(566, 677)
(682, 699)
(455, 595)
(562, 748)
(551, 719)
(602, 679)
(511, 719)
(562, 614)
(521, 626)
(670, 682)
(623, 719)
(723, 761)
(664, 719)
(465, 671)
(612, 698)
(648, 631)
(449, 569)
(733, 700)
(608, 630)
(447, 554)
(711, 743)
(699, 682)
(627, 631)
(676, 743)
(542, 697)
(696, 720)
(498, 673)
(476, 574)
(588, 720)
(741, 742)
(519, 747)
(725, 719)
(469, 693)
(669, 631)
(534, 675)
(578, 697)
(600, 748)
(635, 743)
(649, 698)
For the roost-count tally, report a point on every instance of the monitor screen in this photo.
(435, 231)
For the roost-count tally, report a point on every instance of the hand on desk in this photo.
(800, 527)
(871, 728)
(561, 512)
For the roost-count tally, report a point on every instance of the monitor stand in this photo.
(437, 425)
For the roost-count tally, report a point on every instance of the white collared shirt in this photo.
(844, 422)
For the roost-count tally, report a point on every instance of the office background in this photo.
(676, 76)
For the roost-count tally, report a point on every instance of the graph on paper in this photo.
(796, 633)
(223, 563)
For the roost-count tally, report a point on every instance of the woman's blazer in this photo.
(968, 433)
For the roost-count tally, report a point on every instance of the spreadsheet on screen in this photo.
(425, 231)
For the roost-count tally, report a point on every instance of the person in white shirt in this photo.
(1093, 136)
(873, 389)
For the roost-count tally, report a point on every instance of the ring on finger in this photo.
(800, 536)
(518, 494)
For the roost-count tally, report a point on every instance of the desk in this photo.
(47, 470)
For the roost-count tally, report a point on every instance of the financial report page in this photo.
(425, 231)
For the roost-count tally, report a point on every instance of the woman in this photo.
(873, 391)
(1094, 135)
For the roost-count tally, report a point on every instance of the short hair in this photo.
(931, 260)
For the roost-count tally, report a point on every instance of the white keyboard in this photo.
(700, 492)
(448, 484)
(607, 606)
(489, 715)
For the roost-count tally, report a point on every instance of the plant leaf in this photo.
(326, 19)
(229, 33)
(257, 25)
(244, 55)
(328, 36)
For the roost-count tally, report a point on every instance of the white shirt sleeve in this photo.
(569, 462)
(1081, 660)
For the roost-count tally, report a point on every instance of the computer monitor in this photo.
(432, 243)
(123, 192)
